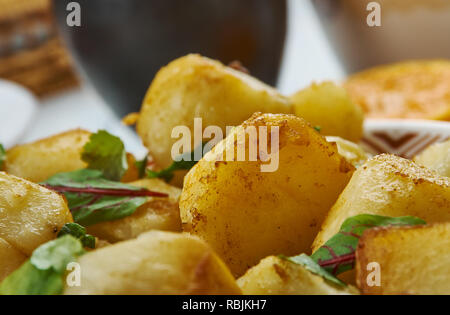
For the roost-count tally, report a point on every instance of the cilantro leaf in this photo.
(318, 129)
(185, 161)
(93, 199)
(310, 265)
(43, 273)
(106, 153)
(2, 156)
(79, 232)
(338, 254)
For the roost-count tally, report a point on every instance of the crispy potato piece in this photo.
(155, 263)
(436, 157)
(195, 86)
(245, 214)
(388, 185)
(10, 259)
(352, 152)
(413, 89)
(276, 276)
(329, 106)
(413, 260)
(158, 214)
(42, 159)
(30, 215)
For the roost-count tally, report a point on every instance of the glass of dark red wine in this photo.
(121, 44)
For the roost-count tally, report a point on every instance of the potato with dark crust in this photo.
(246, 214)
(155, 263)
(157, 214)
(388, 185)
(411, 260)
(197, 87)
(413, 89)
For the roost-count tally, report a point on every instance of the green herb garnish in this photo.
(106, 153)
(79, 232)
(93, 199)
(312, 266)
(43, 273)
(185, 161)
(338, 254)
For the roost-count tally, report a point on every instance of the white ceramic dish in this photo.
(405, 138)
(17, 109)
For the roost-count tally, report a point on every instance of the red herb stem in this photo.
(338, 260)
(107, 192)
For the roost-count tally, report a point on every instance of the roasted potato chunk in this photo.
(412, 260)
(246, 214)
(10, 259)
(198, 87)
(158, 214)
(155, 263)
(352, 152)
(42, 159)
(276, 276)
(436, 157)
(413, 89)
(328, 106)
(388, 185)
(30, 215)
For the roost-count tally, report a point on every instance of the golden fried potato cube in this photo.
(10, 259)
(414, 260)
(412, 89)
(197, 87)
(157, 214)
(246, 214)
(277, 276)
(388, 185)
(30, 214)
(436, 157)
(42, 159)
(155, 263)
(329, 107)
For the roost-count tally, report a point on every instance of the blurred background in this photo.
(56, 77)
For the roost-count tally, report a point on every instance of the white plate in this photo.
(17, 109)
